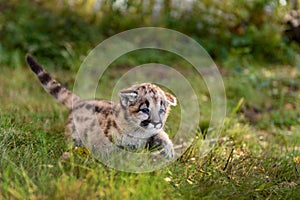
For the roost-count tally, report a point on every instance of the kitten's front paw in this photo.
(168, 151)
(162, 145)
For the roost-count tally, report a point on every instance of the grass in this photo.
(260, 157)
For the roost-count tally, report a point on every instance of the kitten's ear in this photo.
(127, 96)
(171, 99)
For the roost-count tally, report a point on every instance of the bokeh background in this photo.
(231, 31)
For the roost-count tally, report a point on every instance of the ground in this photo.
(258, 156)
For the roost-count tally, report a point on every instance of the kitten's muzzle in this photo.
(151, 124)
(157, 125)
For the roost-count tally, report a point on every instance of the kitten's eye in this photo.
(162, 111)
(145, 110)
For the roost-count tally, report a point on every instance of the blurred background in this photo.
(233, 32)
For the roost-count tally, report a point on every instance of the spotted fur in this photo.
(136, 122)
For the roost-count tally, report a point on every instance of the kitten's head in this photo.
(147, 106)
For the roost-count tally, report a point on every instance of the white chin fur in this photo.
(152, 129)
(150, 126)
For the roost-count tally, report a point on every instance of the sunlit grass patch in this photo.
(251, 159)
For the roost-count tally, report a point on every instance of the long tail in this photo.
(62, 94)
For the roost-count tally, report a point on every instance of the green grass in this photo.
(258, 160)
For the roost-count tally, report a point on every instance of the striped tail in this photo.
(62, 94)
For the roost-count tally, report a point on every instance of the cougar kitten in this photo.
(135, 123)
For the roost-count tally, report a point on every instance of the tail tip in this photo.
(35, 67)
(29, 58)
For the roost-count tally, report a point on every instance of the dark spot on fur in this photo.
(88, 106)
(78, 106)
(78, 118)
(108, 125)
(44, 78)
(147, 103)
(86, 118)
(107, 111)
(97, 109)
(114, 124)
(54, 91)
(152, 91)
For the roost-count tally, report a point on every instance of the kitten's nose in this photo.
(157, 124)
